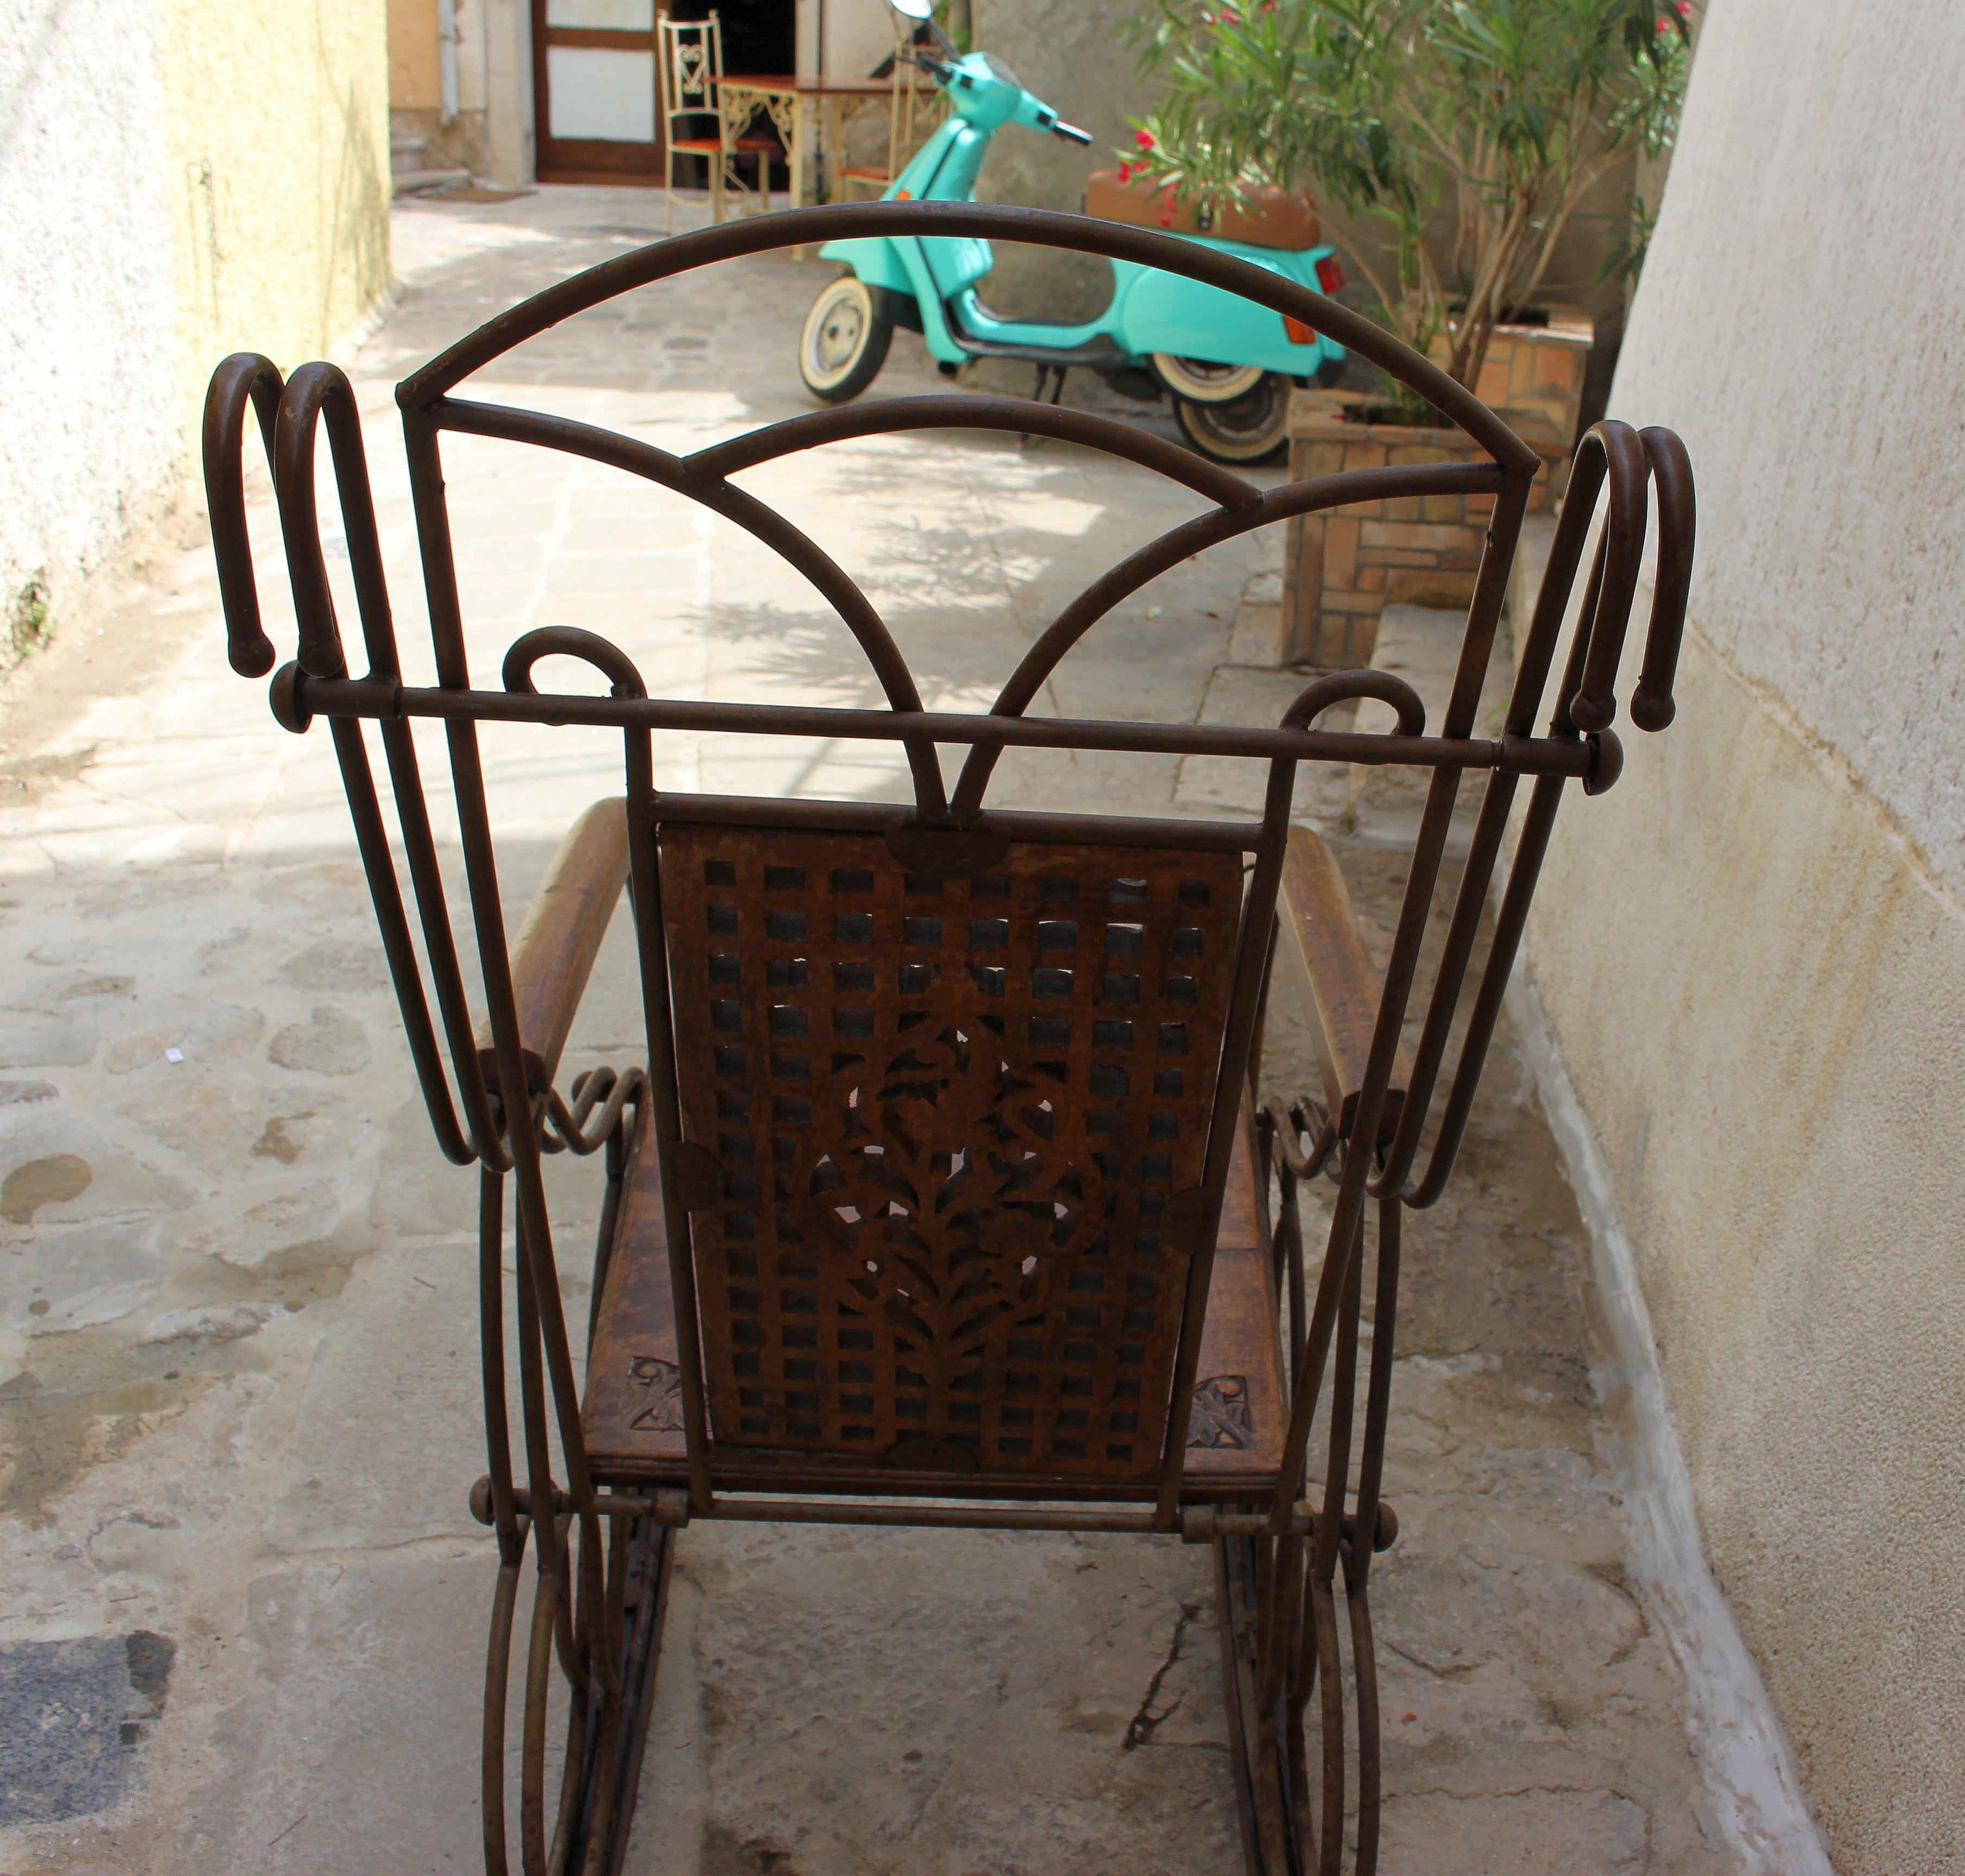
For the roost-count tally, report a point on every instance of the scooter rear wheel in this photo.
(845, 341)
(1251, 428)
(1200, 381)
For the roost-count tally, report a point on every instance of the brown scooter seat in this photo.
(1271, 218)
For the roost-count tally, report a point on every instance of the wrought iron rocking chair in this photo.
(948, 1177)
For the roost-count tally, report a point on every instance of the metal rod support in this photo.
(387, 700)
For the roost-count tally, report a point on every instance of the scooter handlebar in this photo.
(1070, 132)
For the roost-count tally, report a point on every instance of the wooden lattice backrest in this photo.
(956, 1119)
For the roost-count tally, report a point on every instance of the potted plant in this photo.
(1469, 132)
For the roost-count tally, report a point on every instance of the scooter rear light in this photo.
(1298, 332)
(1331, 274)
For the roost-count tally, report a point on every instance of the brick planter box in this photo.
(1533, 376)
(1341, 569)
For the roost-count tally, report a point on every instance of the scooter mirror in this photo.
(923, 10)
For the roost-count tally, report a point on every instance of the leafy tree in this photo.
(1508, 110)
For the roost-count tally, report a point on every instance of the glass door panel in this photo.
(595, 92)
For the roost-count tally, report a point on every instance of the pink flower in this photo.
(1125, 172)
(1144, 139)
(1685, 9)
(1230, 16)
(1166, 221)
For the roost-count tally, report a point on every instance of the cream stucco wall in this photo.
(177, 180)
(277, 162)
(1752, 953)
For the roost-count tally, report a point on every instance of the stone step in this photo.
(420, 181)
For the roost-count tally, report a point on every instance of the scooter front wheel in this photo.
(845, 341)
(1251, 428)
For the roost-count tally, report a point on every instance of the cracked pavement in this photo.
(237, 1361)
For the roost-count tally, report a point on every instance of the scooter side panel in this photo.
(873, 259)
(1153, 311)
(956, 262)
(984, 324)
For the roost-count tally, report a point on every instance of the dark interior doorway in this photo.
(758, 35)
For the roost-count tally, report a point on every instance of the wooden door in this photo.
(596, 100)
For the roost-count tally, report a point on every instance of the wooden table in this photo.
(810, 113)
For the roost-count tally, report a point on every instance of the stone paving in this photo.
(246, 1601)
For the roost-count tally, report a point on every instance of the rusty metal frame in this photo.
(598, 1596)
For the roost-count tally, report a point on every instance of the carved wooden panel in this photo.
(656, 1394)
(952, 1116)
(1222, 1414)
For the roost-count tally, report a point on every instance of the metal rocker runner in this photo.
(949, 1174)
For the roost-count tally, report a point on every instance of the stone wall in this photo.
(1079, 60)
(177, 181)
(1752, 952)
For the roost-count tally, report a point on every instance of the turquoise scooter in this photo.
(1227, 363)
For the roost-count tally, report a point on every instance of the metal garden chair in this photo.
(689, 80)
(948, 1176)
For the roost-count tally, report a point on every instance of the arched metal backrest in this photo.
(951, 842)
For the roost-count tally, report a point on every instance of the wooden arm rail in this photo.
(553, 953)
(1325, 938)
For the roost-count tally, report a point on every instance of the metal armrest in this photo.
(554, 954)
(1323, 934)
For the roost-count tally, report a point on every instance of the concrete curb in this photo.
(1736, 1734)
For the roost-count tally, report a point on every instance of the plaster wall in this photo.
(416, 83)
(1752, 953)
(276, 162)
(859, 34)
(178, 180)
(509, 138)
(88, 427)
(416, 70)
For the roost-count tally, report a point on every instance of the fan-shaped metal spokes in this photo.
(702, 477)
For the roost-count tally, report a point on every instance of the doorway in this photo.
(595, 90)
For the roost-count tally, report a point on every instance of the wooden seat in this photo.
(709, 146)
(633, 1416)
